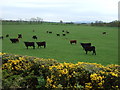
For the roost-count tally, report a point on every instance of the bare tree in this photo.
(61, 21)
(39, 20)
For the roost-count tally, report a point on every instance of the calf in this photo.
(27, 44)
(14, 40)
(104, 33)
(73, 41)
(63, 34)
(58, 34)
(50, 32)
(7, 35)
(47, 31)
(19, 35)
(41, 44)
(67, 32)
(34, 37)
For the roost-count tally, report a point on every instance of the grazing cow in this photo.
(7, 35)
(63, 34)
(50, 32)
(104, 33)
(91, 48)
(41, 44)
(34, 37)
(19, 35)
(67, 32)
(62, 30)
(1, 37)
(14, 40)
(73, 41)
(30, 44)
(85, 45)
(58, 34)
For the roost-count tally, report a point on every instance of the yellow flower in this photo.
(113, 74)
(54, 86)
(96, 77)
(49, 80)
(59, 75)
(43, 66)
(88, 86)
(100, 84)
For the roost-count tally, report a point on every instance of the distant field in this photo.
(59, 48)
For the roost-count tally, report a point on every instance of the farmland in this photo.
(59, 48)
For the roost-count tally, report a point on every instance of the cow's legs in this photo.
(94, 52)
(44, 46)
(33, 47)
(86, 52)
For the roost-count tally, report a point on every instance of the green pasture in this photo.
(59, 48)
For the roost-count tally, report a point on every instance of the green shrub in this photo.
(31, 72)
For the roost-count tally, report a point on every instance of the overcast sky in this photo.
(56, 10)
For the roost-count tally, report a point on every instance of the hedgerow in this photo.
(31, 72)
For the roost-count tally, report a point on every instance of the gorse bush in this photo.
(31, 72)
(89, 75)
(28, 69)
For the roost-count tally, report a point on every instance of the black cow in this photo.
(73, 41)
(104, 33)
(63, 34)
(67, 32)
(14, 40)
(19, 35)
(7, 35)
(41, 44)
(50, 32)
(1, 37)
(58, 34)
(87, 47)
(27, 44)
(62, 30)
(34, 37)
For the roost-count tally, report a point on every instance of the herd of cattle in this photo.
(86, 46)
(63, 34)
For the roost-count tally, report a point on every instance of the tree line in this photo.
(38, 20)
(115, 23)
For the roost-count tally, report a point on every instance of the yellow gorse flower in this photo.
(114, 74)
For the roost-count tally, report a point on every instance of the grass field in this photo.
(59, 48)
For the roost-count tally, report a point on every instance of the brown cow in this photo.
(73, 41)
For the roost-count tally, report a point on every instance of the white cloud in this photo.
(69, 10)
